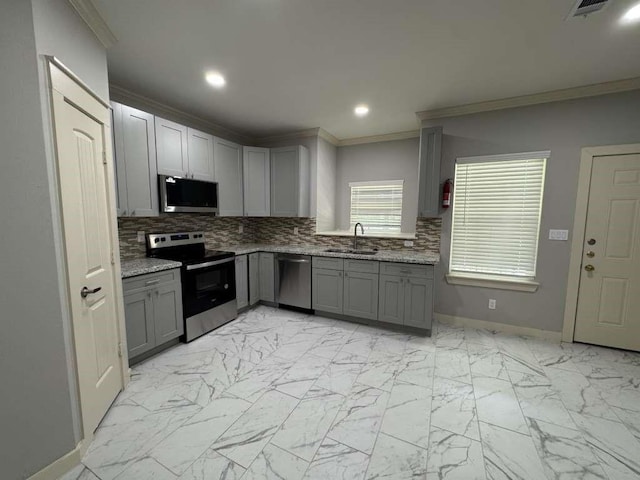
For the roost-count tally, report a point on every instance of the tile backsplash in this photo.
(221, 231)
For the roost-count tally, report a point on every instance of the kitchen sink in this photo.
(351, 251)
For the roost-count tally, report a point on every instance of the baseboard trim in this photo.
(61, 466)
(499, 327)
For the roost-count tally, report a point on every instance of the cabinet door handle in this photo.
(133, 213)
(339, 274)
(345, 274)
(152, 282)
(157, 292)
(408, 280)
(149, 294)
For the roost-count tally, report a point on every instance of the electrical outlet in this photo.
(240, 228)
(492, 304)
(140, 236)
(408, 243)
(558, 234)
(295, 230)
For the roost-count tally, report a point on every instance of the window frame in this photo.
(372, 183)
(492, 280)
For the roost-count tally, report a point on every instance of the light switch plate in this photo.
(558, 234)
(408, 243)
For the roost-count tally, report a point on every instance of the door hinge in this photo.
(113, 259)
(120, 350)
(104, 157)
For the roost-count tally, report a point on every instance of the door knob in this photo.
(589, 268)
(590, 254)
(85, 292)
(591, 241)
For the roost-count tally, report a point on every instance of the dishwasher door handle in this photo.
(293, 260)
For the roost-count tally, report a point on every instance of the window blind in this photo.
(377, 205)
(496, 215)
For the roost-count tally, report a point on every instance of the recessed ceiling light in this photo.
(632, 15)
(215, 79)
(361, 110)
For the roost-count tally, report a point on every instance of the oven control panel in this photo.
(162, 240)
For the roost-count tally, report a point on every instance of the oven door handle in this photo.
(210, 264)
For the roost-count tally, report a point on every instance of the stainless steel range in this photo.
(208, 280)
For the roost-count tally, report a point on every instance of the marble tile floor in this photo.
(283, 395)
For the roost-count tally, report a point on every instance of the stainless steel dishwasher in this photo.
(293, 280)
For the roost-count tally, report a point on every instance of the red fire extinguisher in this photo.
(447, 191)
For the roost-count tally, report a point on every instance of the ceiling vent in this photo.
(582, 8)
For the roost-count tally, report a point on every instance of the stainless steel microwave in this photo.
(185, 195)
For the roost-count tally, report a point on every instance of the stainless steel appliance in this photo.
(208, 280)
(184, 195)
(293, 280)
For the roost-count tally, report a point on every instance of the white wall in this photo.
(396, 160)
(564, 128)
(326, 190)
(39, 423)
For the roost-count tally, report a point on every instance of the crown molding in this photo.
(120, 94)
(91, 16)
(322, 133)
(534, 99)
(309, 132)
(387, 137)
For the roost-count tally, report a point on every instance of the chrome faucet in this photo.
(355, 235)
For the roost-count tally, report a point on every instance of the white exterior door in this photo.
(84, 183)
(609, 295)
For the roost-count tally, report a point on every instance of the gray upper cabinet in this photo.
(361, 295)
(290, 181)
(200, 155)
(327, 290)
(242, 281)
(267, 277)
(135, 155)
(254, 278)
(391, 299)
(257, 181)
(429, 172)
(172, 148)
(228, 174)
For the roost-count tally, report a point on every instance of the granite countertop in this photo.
(142, 266)
(402, 256)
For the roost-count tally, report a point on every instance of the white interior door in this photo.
(80, 143)
(609, 295)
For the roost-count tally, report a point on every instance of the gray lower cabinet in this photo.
(391, 299)
(242, 281)
(418, 302)
(138, 312)
(153, 310)
(327, 290)
(267, 277)
(361, 295)
(254, 278)
(408, 299)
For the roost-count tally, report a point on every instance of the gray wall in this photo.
(36, 405)
(396, 160)
(326, 191)
(563, 128)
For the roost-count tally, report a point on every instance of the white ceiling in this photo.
(297, 64)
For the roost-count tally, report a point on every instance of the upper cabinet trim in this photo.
(91, 16)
